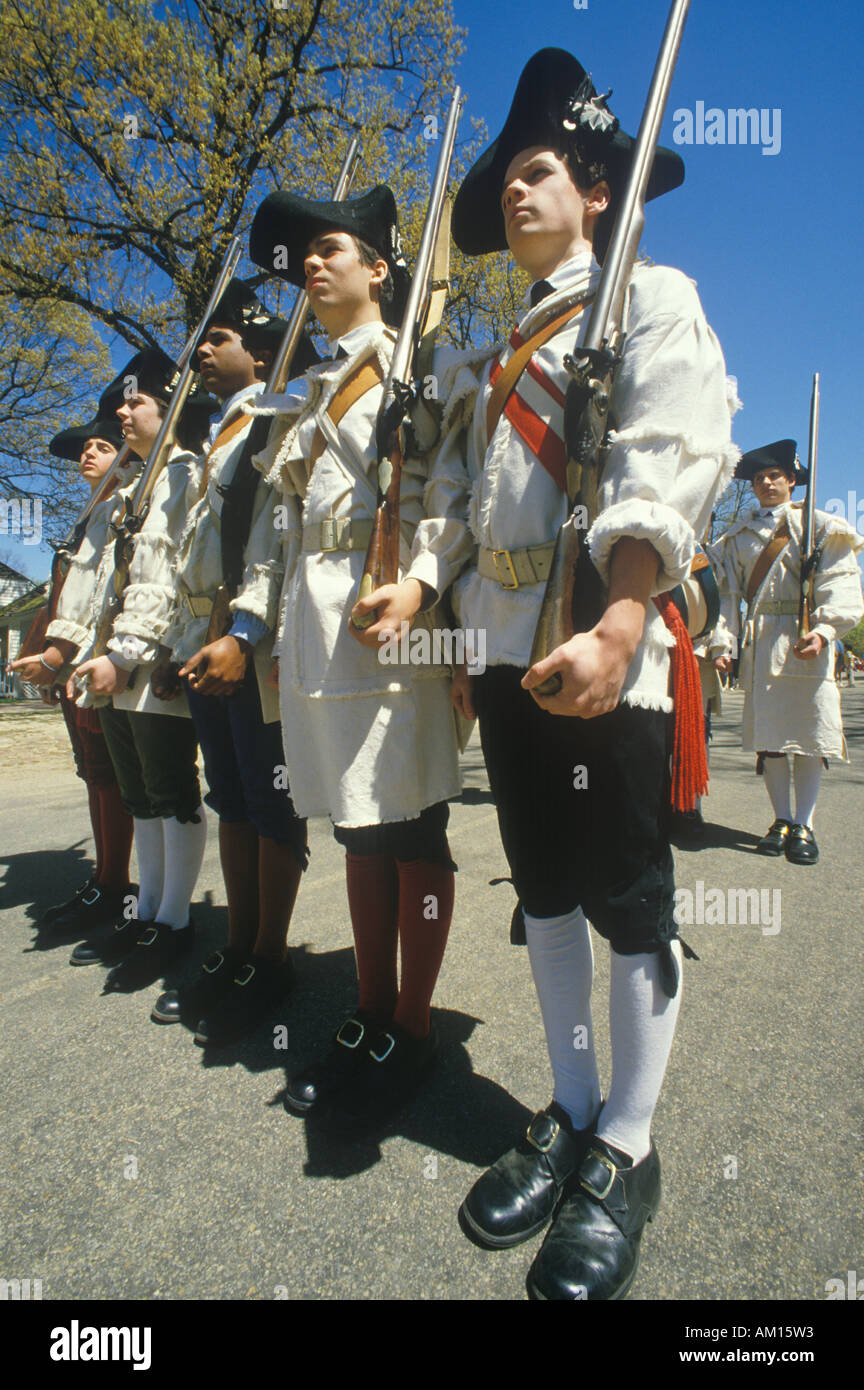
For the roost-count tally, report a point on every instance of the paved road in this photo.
(136, 1166)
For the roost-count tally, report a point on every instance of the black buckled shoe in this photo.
(592, 1250)
(801, 846)
(257, 988)
(323, 1078)
(392, 1067)
(775, 841)
(91, 907)
(62, 909)
(190, 1002)
(113, 948)
(518, 1195)
(157, 947)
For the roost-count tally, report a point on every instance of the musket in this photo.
(137, 506)
(400, 389)
(574, 599)
(810, 552)
(280, 375)
(64, 551)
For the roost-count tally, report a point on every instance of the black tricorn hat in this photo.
(242, 310)
(152, 372)
(285, 223)
(555, 104)
(69, 443)
(783, 454)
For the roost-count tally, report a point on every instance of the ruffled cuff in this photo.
(643, 520)
(128, 651)
(70, 632)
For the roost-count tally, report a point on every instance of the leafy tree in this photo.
(136, 140)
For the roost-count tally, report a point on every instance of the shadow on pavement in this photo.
(720, 837)
(457, 1112)
(44, 877)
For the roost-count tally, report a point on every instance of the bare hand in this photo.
(723, 664)
(165, 680)
(593, 666)
(808, 648)
(100, 676)
(219, 668)
(273, 675)
(461, 693)
(393, 605)
(31, 670)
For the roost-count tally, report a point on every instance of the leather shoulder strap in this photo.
(509, 375)
(225, 435)
(778, 542)
(355, 385)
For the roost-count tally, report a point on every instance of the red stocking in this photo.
(425, 911)
(372, 894)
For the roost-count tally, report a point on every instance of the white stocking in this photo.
(562, 964)
(641, 1025)
(184, 852)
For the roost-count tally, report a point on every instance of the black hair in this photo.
(585, 171)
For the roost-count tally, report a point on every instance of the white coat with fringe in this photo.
(366, 742)
(670, 458)
(790, 705)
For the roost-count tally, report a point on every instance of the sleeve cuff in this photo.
(643, 520)
(248, 628)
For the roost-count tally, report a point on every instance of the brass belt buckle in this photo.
(509, 559)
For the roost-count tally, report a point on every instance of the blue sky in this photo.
(772, 240)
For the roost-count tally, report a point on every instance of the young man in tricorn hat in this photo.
(93, 446)
(262, 842)
(791, 713)
(152, 742)
(368, 743)
(580, 778)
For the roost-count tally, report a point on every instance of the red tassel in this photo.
(689, 759)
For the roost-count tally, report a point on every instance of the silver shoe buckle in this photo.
(91, 897)
(343, 1042)
(391, 1043)
(239, 980)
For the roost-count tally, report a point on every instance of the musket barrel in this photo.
(182, 387)
(401, 359)
(643, 159)
(812, 451)
(282, 361)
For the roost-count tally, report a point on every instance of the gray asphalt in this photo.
(137, 1166)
